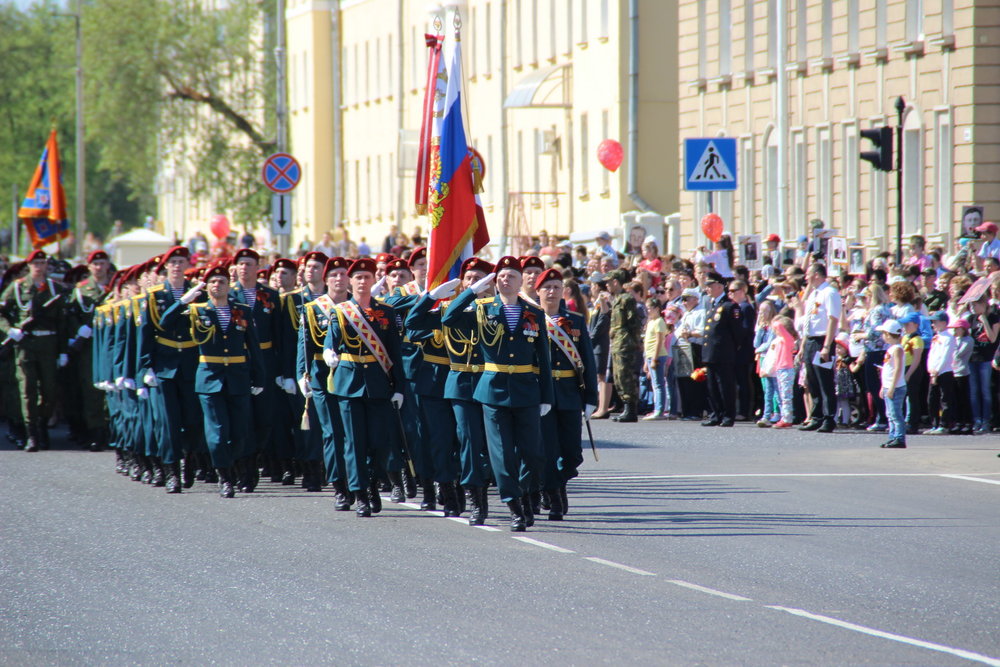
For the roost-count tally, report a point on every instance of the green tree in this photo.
(173, 80)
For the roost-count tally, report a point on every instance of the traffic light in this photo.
(882, 138)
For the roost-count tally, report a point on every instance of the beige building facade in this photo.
(545, 82)
(847, 63)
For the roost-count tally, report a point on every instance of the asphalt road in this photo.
(683, 546)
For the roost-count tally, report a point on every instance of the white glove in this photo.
(119, 383)
(129, 383)
(256, 391)
(397, 400)
(84, 332)
(142, 393)
(445, 290)
(16, 334)
(544, 408)
(150, 380)
(304, 387)
(379, 287)
(330, 357)
(193, 293)
(480, 285)
(280, 381)
(63, 360)
(288, 384)
(588, 410)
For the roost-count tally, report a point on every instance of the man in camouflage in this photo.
(626, 344)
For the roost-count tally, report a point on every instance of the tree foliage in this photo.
(176, 82)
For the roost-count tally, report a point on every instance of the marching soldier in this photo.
(32, 316)
(362, 346)
(516, 386)
(718, 353)
(289, 438)
(86, 296)
(533, 267)
(626, 344)
(16, 431)
(574, 379)
(229, 371)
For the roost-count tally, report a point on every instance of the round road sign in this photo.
(281, 173)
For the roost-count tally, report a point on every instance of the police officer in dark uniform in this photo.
(723, 327)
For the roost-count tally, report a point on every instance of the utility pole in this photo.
(900, 108)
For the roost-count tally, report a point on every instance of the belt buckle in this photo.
(475, 368)
(510, 369)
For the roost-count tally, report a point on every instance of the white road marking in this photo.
(489, 529)
(961, 653)
(458, 519)
(629, 478)
(412, 506)
(710, 591)
(544, 545)
(611, 563)
(973, 479)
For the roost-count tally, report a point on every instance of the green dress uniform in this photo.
(81, 307)
(364, 386)
(516, 380)
(574, 380)
(38, 312)
(289, 438)
(313, 321)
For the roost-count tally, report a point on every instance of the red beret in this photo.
(532, 262)
(547, 275)
(132, 273)
(246, 252)
(336, 263)
(96, 255)
(176, 251)
(193, 272)
(216, 270)
(509, 262)
(477, 264)
(420, 252)
(384, 257)
(397, 264)
(264, 273)
(363, 264)
(36, 255)
(284, 263)
(314, 256)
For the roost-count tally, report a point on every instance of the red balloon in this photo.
(711, 224)
(219, 226)
(610, 154)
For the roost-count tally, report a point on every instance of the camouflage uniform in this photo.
(626, 346)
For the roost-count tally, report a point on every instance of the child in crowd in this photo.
(763, 335)
(893, 389)
(940, 369)
(916, 369)
(844, 384)
(655, 359)
(962, 413)
(780, 359)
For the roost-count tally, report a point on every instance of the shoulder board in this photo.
(485, 299)
(297, 290)
(197, 306)
(381, 300)
(155, 288)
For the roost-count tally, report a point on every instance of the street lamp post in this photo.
(900, 107)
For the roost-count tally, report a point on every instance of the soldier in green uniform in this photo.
(16, 431)
(85, 297)
(626, 344)
(31, 314)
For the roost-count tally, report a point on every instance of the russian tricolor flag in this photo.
(458, 225)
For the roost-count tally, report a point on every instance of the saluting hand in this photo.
(445, 290)
(193, 293)
(483, 284)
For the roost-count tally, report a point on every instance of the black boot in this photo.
(135, 467)
(33, 438)
(536, 502)
(361, 507)
(460, 496)
(409, 483)
(159, 474)
(17, 434)
(555, 505)
(375, 497)
(484, 502)
(226, 489)
(518, 522)
(342, 498)
(43, 435)
(276, 468)
(398, 495)
(147, 469)
(121, 467)
(96, 440)
(244, 471)
(529, 513)
(474, 498)
(287, 472)
(187, 475)
(450, 496)
(430, 502)
(628, 415)
(311, 478)
(565, 499)
(173, 482)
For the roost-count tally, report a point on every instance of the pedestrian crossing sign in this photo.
(710, 164)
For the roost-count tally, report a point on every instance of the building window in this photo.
(584, 156)
(551, 32)
(490, 184)
(378, 186)
(605, 133)
(947, 17)
(725, 37)
(377, 87)
(914, 20)
(913, 173)
(357, 190)
(605, 28)
(368, 72)
(827, 29)
(518, 34)
(772, 189)
(536, 167)
(305, 79)
(520, 162)
(534, 33)
(748, 36)
(368, 189)
(346, 85)
(880, 24)
(747, 185)
(389, 58)
(853, 41)
(414, 59)
(475, 45)
(799, 182)
(943, 170)
(849, 167)
(569, 27)
(824, 174)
